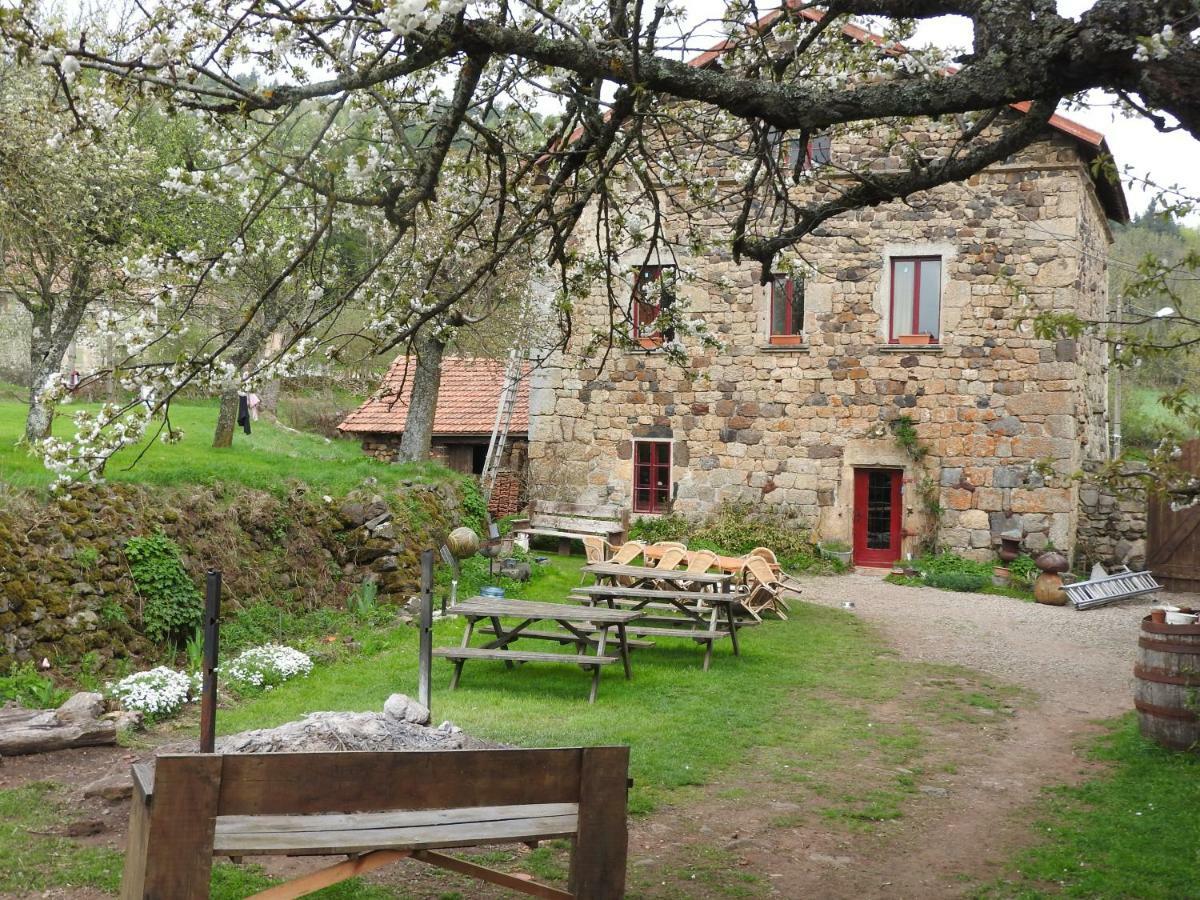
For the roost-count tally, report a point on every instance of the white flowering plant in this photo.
(157, 693)
(262, 668)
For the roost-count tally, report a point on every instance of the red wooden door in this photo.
(877, 516)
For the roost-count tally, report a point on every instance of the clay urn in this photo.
(1047, 589)
(1010, 545)
(1052, 561)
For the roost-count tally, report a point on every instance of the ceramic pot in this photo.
(1000, 576)
(1052, 561)
(1048, 589)
(1010, 549)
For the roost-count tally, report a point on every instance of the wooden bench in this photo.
(461, 654)
(574, 521)
(565, 637)
(375, 809)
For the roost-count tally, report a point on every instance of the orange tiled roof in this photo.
(467, 399)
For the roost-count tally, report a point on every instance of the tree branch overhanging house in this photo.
(885, 386)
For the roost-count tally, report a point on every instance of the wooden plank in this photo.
(553, 532)
(601, 847)
(521, 656)
(486, 607)
(227, 825)
(365, 781)
(596, 511)
(565, 637)
(514, 882)
(133, 877)
(183, 813)
(574, 523)
(143, 777)
(638, 593)
(694, 634)
(354, 840)
(612, 570)
(521, 883)
(323, 878)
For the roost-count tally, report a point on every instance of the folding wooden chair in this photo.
(763, 589)
(625, 556)
(769, 555)
(598, 550)
(671, 558)
(698, 561)
(669, 561)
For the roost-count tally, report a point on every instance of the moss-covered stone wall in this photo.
(66, 588)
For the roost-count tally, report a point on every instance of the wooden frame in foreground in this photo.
(376, 809)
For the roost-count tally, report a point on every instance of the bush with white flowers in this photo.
(156, 694)
(264, 667)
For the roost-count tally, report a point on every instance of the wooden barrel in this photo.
(1167, 690)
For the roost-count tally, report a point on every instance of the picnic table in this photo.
(703, 616)
(588, 625)
(610, 572)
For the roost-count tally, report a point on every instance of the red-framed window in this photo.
(653, 293)
(916, 301)
(787, 306)
(651, 476)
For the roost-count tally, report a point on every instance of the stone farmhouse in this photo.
(468, 398)
(890, 393)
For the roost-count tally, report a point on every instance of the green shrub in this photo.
(113, 613)
(475, 511)
(957, 581)
(171, 606)
(944, 563)
(264, 622)
(363, 601)
(735, 529)
(31, 689)
(1022, 569)
(662, 528)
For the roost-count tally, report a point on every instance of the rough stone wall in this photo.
(1112, 526)
(65, 587)
(509, 494)
(14, 341)
(1007, 417)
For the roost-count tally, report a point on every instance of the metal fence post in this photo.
(208, 684)
(426, 629)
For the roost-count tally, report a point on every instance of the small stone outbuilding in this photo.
(468, 398)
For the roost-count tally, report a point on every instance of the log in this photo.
(75, 724)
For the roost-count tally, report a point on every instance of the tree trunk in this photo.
(226, 418)
(41, 415)
(75, 724)
(426, 378)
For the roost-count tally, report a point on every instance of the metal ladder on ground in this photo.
(504, 414)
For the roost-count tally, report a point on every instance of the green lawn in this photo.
(797, 717)
(803, 682)
(1131, 832)
(1145, 420)
(267, 459)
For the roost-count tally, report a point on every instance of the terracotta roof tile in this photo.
(467, 399)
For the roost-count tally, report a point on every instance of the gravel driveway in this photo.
(1083, 660)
